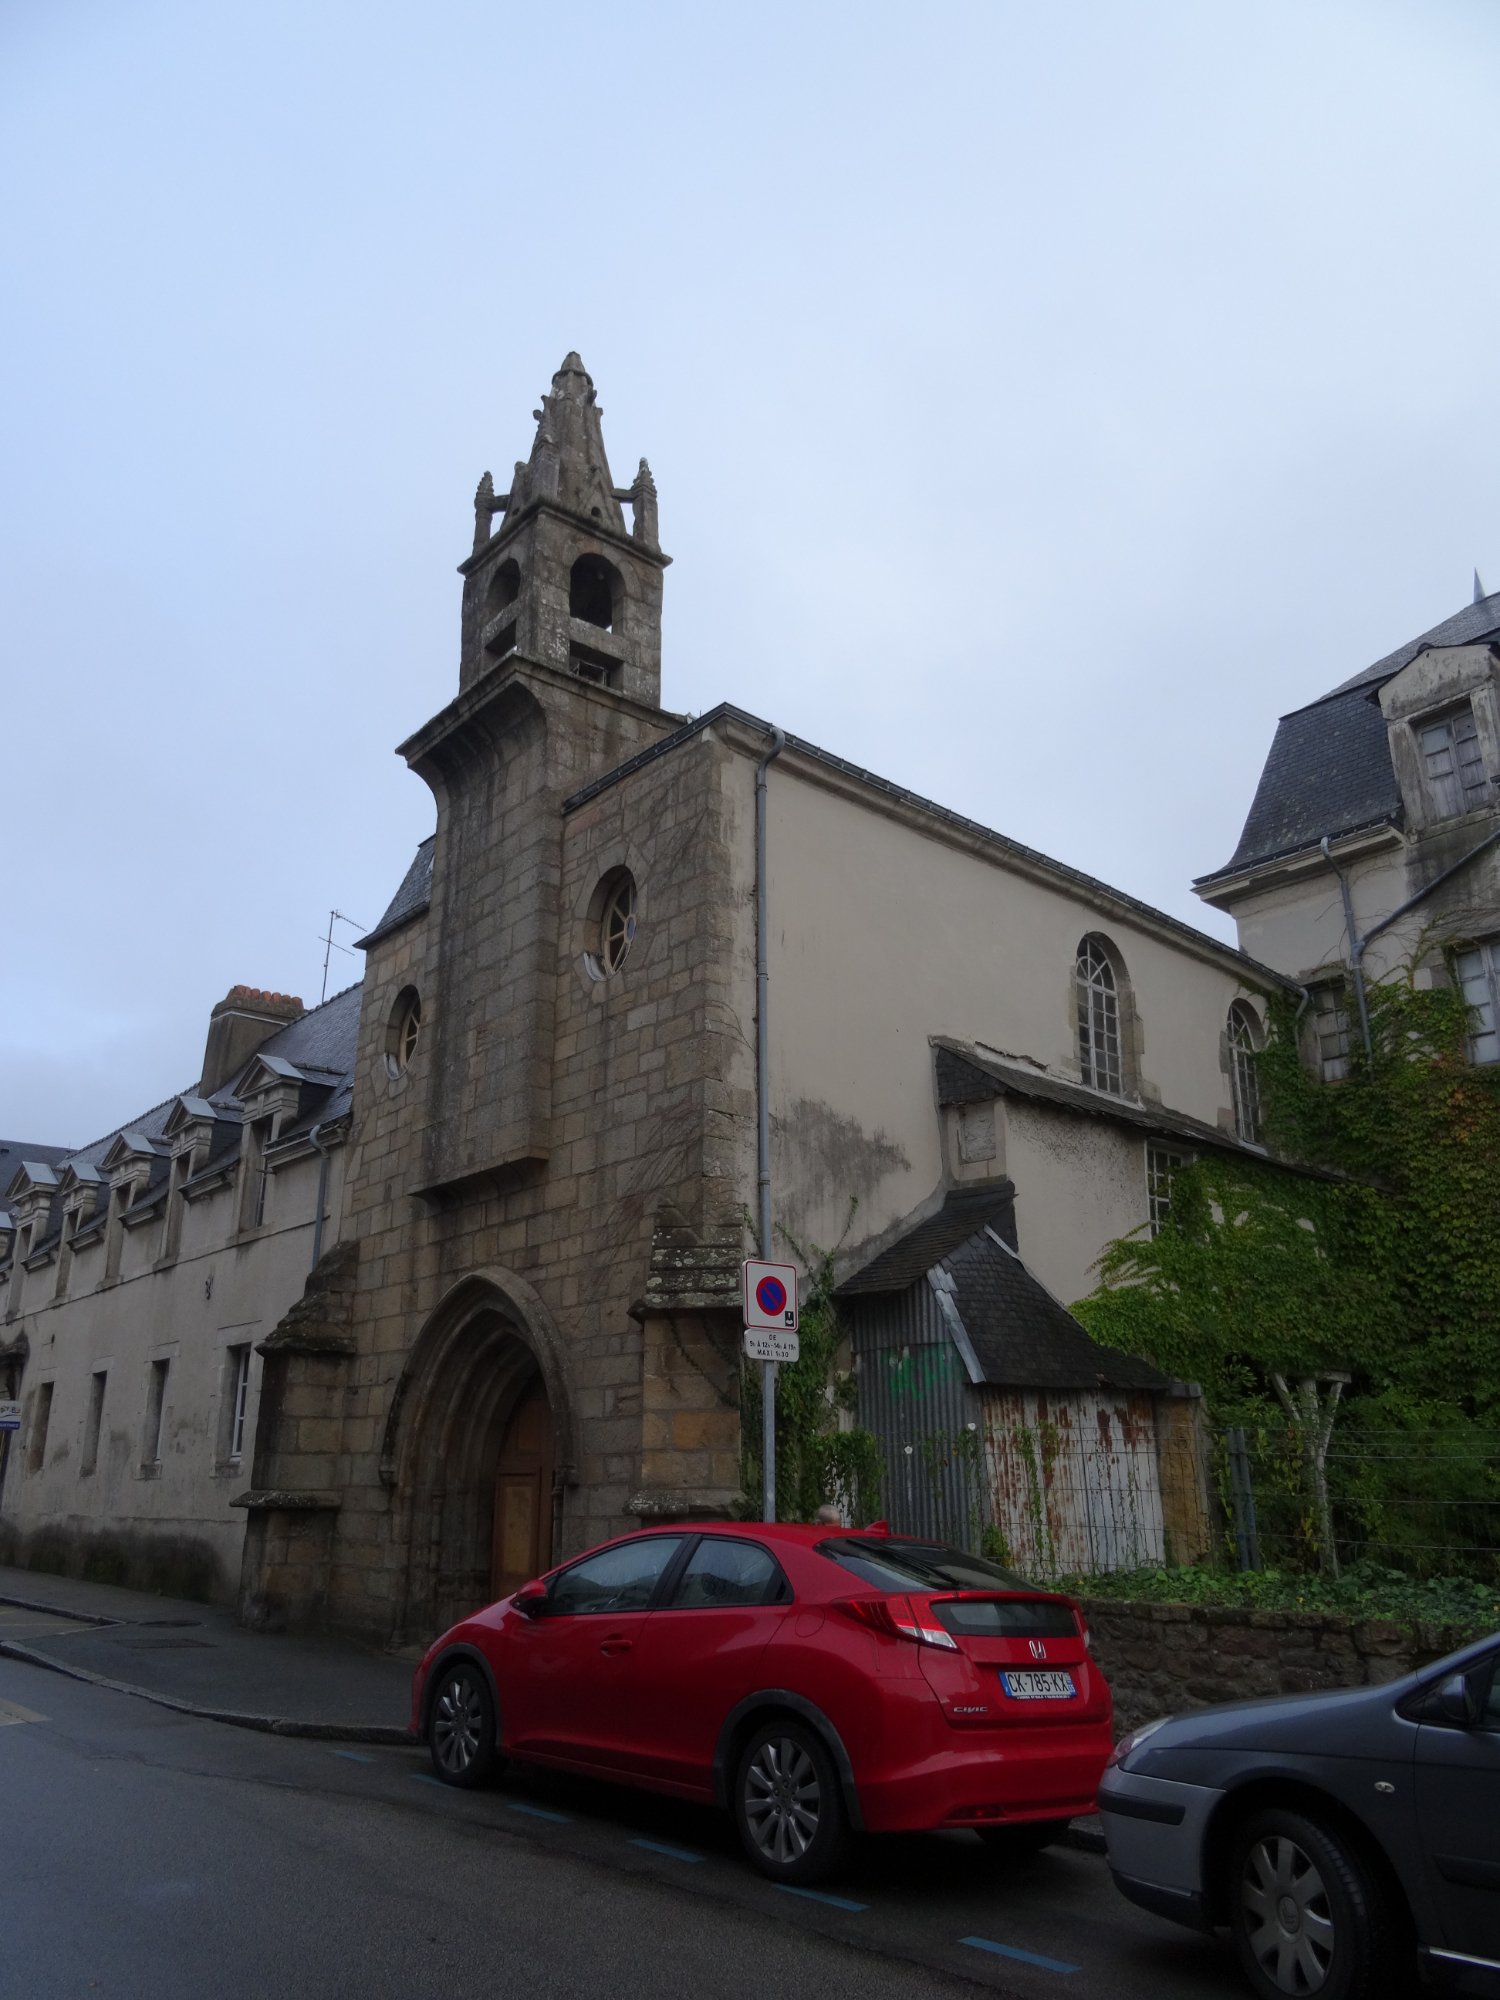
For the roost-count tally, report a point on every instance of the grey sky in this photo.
(1042, 399)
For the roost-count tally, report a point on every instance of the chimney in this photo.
(242, 1020)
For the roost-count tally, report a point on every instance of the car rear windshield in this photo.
(900, 1566)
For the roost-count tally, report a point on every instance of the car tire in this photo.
(461, 1725)
(1018, 1843)
(1306, 1916)
(788, 1804)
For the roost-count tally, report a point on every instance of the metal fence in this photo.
(1423, 1502)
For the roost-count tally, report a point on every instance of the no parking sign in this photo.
(771, 1297)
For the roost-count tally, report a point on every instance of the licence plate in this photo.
(1039, 1687)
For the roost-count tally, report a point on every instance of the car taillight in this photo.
(897, 1618)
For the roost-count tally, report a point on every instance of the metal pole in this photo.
(1242, 1496)
(763, 1115)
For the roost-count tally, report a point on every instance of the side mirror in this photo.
(531, 1600)
(1455, 1702)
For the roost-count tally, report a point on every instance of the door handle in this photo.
(615, 1645)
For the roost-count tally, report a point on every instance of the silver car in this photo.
(1349, 1841)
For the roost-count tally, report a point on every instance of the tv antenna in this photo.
(330, 945)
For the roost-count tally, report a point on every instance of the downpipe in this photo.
(763, 1111)
(322, 1152)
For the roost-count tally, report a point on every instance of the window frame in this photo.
(93, 1423)
(1096, 997)
(1487, 950)
(666, 1577)
(1449, 795)
(160, 1374)
(1244, 1033)
(41, 1424)
(237, 1355)
(778, 1587)
(1331, 1068)
(1159, 1183)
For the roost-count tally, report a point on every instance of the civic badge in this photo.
(1038, 1650)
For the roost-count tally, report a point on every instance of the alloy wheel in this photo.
(783, 1800)
(458, 1721)
(1288, 1923)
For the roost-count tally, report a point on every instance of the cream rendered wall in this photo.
(215, 1294)
(1297, 924)
(883, 934)
(1079, 1184)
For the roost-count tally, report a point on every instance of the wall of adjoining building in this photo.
(165, 1522)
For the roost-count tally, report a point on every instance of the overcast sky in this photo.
(1042, 399)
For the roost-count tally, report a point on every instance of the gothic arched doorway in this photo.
(477, 1450)
(523, 1494)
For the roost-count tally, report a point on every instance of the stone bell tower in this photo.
(562, 581)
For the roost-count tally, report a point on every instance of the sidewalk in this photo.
(194, 1657)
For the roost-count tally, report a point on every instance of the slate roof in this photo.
(1021, 1337)
(968, 1075)
(1329, 769)
(411, 898)
(964, 1210)
(320, 1043)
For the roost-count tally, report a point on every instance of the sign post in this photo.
(10, 1417)
(770, 1338)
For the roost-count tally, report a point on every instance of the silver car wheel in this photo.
(1288, 1922)
(783, 1800)
(458, 1722)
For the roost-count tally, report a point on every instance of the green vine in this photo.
(1383, 1262)
(819, 1458)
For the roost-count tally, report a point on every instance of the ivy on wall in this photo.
(1387, 1264)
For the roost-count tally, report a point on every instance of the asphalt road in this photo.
(151, 1854)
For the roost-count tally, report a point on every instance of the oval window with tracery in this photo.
(617, 922)
(404, 1032)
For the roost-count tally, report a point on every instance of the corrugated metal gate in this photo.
(1075, 1479)
(916, 1398)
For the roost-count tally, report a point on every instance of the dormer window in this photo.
(1453, 764)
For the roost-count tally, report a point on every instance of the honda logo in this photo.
(1038, 1650)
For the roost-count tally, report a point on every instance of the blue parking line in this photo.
(1025, 1957)
(353, 1756)
(426, 1778)
(673, 1853)
(536, 1812)
(820, 1896)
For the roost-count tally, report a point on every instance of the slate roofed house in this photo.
(138, 1276)
(1374, 834)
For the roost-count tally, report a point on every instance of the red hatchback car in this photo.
(812, 1680)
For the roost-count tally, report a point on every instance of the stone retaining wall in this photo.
(1163, 1658)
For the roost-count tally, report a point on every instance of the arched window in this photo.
(594, 589)
(1099, 1047)
(505, 586)
(1244, 1081)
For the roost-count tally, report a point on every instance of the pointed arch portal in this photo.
(478, 1447)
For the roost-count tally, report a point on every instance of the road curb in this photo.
(1086, 1835)
(270, 1725)
(57, 1611)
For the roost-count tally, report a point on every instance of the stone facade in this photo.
(1162, 1659)
(520, 1332)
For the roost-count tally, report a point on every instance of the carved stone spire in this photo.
(643, 507)
(563, 583)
